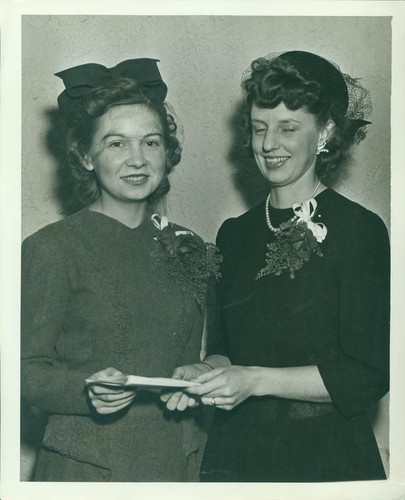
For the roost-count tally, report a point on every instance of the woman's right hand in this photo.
(179, 400)
(106, 400)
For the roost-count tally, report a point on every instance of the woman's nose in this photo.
(270, 141)
(136, 156)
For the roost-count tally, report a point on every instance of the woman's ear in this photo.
(86, 161)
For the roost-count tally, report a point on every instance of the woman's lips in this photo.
(275, 161)
(135, 179)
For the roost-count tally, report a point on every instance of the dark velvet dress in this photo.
(94, 297)
(334, 314)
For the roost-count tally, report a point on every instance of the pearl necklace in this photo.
(277, 230)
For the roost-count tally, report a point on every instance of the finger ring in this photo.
(213, 402)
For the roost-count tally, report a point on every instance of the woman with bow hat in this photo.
(303, 302)
(113, 290)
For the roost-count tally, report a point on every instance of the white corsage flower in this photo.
(304, 212)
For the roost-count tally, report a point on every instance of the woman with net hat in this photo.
(303, 302)
(104, 293)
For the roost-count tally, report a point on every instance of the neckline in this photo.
(290, 209)
(116, 222)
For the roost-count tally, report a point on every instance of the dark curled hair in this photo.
(279, 80)
(83, 125)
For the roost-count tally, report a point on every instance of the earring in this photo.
(321, 148)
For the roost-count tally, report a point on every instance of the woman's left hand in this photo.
(224, 388)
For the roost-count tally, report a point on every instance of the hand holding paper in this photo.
(106, 391)
(180, 400)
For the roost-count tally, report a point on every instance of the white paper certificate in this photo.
(146, 382)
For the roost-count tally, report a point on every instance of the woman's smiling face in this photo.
(284, 142)
(128, 153)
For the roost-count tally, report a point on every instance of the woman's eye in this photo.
(288, 130)
(152, 143)
(115, 144)
(259, 131)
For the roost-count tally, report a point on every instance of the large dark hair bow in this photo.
(80, 80)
